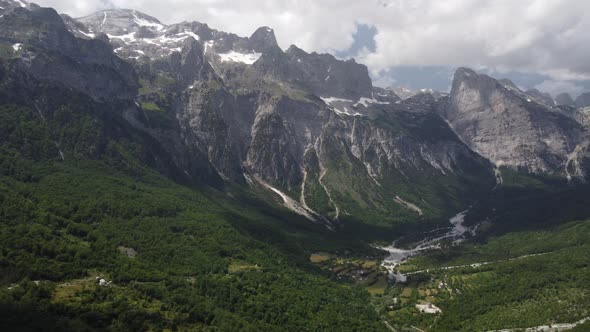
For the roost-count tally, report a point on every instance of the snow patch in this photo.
(344, 112)
(130, 37)
(192, 34)
(366, 101)
(16, 47)
(208, 45)
(330, 100)
(145, 23)
(336, 105)
(233, 56)
(89, 35)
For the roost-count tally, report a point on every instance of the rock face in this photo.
(564, 99)
(48, 51)
(510, 129)
(7, 6)
(307, 130)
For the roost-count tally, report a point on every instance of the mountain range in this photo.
(309, 127)
(211, 110)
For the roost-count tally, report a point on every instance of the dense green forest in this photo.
(81, 200)
(517, 280)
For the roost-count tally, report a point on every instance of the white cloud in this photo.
(545, 36)
(557, 87)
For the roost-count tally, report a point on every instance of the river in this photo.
(457, 233)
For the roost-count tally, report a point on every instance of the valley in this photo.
(176, 177)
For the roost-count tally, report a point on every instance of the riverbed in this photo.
(456, 233)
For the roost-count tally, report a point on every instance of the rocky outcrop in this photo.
(509, 129)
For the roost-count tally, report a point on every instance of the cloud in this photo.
(549, 37)
(557, 87)
(363, 42)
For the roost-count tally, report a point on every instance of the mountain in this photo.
(542, 97)
(176, 177)
(583, 100)
(96, 194)
(307, 127)
(564, 99)
(511, 129)
(406, 93)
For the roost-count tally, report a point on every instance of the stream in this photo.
(457, 233)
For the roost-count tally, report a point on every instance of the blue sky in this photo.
(440, 77)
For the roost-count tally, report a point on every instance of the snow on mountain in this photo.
(247, 58)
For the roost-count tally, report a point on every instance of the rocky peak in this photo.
(193, 65)
(121, 21)
(77, 28)
(564, 99)
(472, 87)
(262, 40)
(50, 52)
(200, 29)
(508, 127)
(326, 76)
(295, 52)
(38, 26)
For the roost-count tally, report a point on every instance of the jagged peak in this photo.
(263, 31)
(294, 50)
(263, 39)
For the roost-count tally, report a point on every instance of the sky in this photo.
(541, 44)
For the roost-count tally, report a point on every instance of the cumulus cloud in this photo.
(544, 36)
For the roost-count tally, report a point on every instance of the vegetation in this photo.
(73, 190)
(99, 231)
(517, 280)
